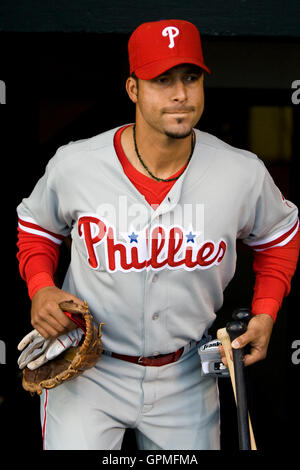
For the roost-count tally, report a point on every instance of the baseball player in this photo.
(154, 209)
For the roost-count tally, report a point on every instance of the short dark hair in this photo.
(133, 75)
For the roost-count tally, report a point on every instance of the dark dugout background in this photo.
(65, 68)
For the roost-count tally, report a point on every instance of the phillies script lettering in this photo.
(156, 247)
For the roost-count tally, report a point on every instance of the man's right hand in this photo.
(46, 316)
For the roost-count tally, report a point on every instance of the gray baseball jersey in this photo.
(155, 275)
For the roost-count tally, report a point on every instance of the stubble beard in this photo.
(178, 134)
(173, 135)
(182, 133)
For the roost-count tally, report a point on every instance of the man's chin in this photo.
(178, 133)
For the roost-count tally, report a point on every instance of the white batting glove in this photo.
(36, 345)
(40, 350)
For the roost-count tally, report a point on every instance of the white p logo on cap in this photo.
(172, 32)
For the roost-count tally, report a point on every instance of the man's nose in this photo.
(179, 91)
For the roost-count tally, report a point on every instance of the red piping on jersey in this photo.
(45, 418)
(31, 225)
(278, 240)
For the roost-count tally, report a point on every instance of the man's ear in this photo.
(132, 88)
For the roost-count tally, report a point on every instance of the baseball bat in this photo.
(235, 329)
(223, 336)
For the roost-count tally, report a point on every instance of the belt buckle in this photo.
(140, 359)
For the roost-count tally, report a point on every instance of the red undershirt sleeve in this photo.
(274, 269)
(38, 259)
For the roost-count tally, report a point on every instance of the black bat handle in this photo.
(235, 329)
(242, 314)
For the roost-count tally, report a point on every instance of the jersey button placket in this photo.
(148, 334)
(152, 342)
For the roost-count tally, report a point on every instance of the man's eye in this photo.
(191, 78)
(162, 80)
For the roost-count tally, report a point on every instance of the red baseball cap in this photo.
(157, 46)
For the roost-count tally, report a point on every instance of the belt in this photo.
(152, 361)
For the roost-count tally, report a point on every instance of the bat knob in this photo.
(235, 329)
(242, 314)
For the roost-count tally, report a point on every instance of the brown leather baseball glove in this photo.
(74, 360)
